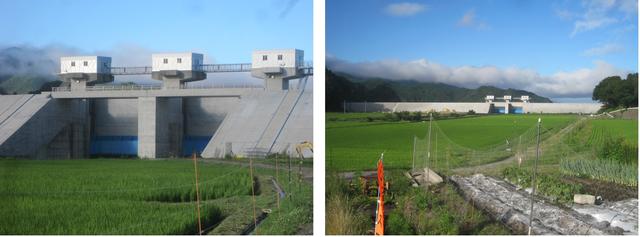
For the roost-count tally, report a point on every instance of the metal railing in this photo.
(130, 70)
(307, 68)
(157, 87)
(236, 67)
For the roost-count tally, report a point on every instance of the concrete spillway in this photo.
(162, 123)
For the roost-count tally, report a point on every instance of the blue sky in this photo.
(225, 31)
(554, 48)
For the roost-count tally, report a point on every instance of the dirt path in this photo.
(546, 143)
(307, 172)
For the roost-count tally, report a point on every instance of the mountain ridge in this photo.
(342, 87)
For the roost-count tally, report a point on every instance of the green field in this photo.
(603, 149)
(353, 143)
(108, 196)
(627, 129)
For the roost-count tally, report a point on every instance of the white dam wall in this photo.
(480, 108)
(233, 122)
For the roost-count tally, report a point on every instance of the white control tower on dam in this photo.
(87, 117)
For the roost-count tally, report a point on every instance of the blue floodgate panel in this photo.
(517, 110)
(196, 144)
(114, 145)
(499, 110)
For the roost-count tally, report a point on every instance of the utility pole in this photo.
(535, 170)
(344, 107)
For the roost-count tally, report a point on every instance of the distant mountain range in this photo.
(25, 70)
(26, 83)
(341, 87)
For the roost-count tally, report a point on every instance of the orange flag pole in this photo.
(379, 229)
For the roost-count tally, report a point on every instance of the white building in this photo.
(176, 61)
(78, 72)
(282, 58)
(85, 64)
(175, 69)
(277, 67)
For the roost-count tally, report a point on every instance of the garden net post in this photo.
(535, 169)
(253, 195)
(413, 158)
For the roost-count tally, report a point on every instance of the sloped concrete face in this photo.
(298, 128)
(243, 126)
(264, 122)
(30, 124)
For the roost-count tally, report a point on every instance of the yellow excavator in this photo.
(300, 147)
(303, 145)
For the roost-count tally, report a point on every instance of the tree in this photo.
(615, 92)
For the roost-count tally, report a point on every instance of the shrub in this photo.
(548, 185)
(617, 149)
(396, 224)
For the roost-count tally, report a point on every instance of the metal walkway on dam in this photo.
(173, 119)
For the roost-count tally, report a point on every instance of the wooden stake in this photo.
(195, 166)
(253, 196)
(277, 181)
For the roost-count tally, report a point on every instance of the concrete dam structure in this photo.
(492, 105)
(82, 119)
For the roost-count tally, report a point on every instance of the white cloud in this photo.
(21, 59)
(603, 49)
(405, 9)
(469, 20)
(628, 6)
(591, 23)
(565, 14)
(577, 83)
(600, 13)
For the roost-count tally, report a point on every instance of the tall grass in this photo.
(343, 219)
